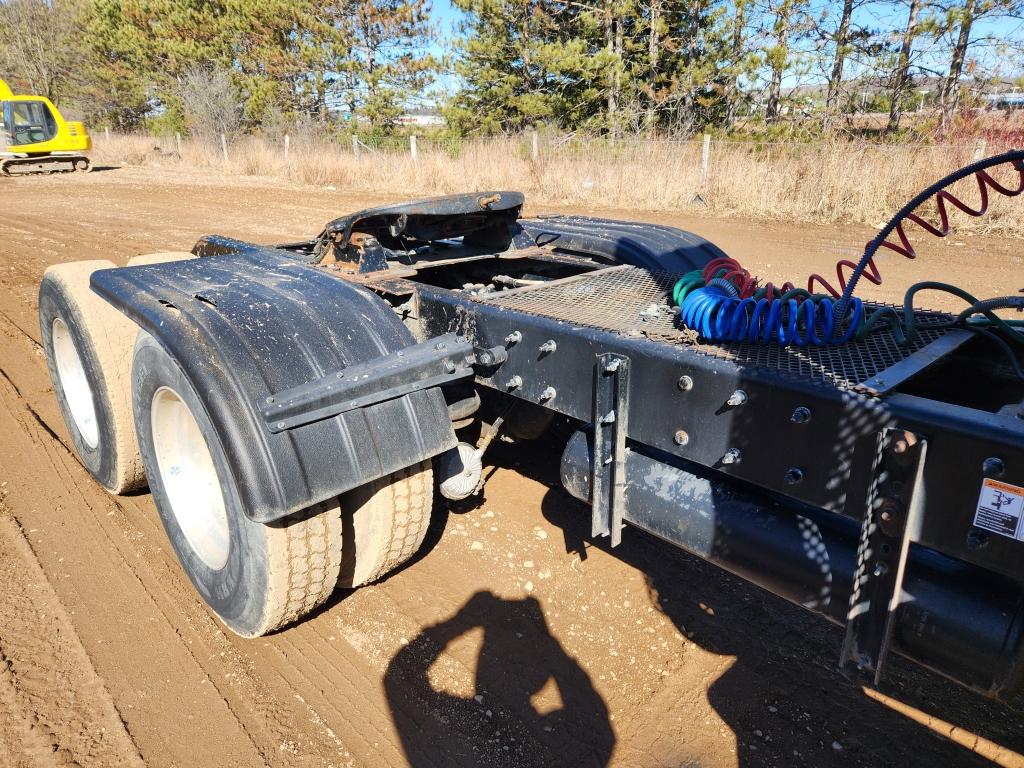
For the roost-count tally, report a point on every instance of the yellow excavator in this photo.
(35, 137)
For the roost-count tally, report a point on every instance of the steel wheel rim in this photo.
(189, 478)
(74, 383)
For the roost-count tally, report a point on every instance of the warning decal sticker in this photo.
(1000, 509)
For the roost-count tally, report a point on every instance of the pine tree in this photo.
(901, 80)
(523, 62)
(960, 19)
(385, 63)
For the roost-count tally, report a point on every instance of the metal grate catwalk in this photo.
(634, 302)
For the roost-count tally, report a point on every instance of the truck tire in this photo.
(256, 577)
(88, 348)
(384, 523)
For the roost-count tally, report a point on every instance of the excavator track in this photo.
(24, 166)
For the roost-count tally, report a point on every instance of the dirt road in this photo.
(510, 640)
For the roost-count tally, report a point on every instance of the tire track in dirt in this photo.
(253, 711)
(54, 709)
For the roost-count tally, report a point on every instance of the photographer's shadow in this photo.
(532, 704)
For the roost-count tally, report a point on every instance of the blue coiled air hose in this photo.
(717, 314)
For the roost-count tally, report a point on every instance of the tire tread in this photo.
(304, 559)
(390, 518)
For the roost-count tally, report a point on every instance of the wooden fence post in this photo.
(106, 132)
(287, 146)
(534, 145)
(355, 146)
(224, 147)
(177, 142)
(412, 147)
(705, 159)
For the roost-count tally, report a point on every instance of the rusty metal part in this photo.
(389, 279)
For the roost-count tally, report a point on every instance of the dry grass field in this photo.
(828, 182)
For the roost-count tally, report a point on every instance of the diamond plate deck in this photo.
(634, 302)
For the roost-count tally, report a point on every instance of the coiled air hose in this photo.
(724, 302)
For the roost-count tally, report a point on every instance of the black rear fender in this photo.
(651, 246)
(246, 325)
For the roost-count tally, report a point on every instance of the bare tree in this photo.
(37, 44)
(210, 102)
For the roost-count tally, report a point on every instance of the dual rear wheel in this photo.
(133, 415)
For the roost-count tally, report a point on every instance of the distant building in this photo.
(1005, 100)
(423, 117)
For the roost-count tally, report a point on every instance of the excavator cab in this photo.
(35, 137)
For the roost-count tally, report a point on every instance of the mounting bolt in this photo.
(890, 512)
(548, 394)
(485, 358)
(993, 466)
(977, 538)
(514, 383)
(449, 366)
(270, 401)
(681, 438)
(548, 347)
(440, 346)
(881, 569)
(801, 415)
(513, 338)
(739, 397)
(611, 366)
(732, 456)
(794, 476)
(685, 383)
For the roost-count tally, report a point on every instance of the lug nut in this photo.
(514, 383)
(548, 394)
(548, 347)
(732, 456)
(739, 397)
(681, 438)
(801, 415)
(685, 383)
(513, 338)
